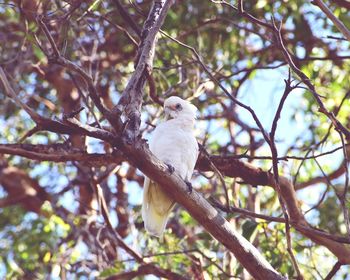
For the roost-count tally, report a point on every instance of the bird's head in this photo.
(175, 107)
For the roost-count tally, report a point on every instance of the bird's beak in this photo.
(168, 110)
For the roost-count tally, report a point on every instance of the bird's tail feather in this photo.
(156, 208)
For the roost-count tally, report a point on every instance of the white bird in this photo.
(173, 142)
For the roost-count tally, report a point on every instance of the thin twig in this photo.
(216, 81)
(29, 133)
(217, 171)
(274, 152)
(139, 258)
(11, 93)
(128, 19)
(343, 197)
(57, 58)
(301, 228)
(307, 82)
(56, 52)
(289, 59)
(105, 214)
(246, 212)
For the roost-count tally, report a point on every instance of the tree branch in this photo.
(201, 210)
(131, 99)
(341, 27)
(60, 153)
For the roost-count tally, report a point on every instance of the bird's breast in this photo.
(175, 146)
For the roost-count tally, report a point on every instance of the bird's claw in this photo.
(189, 185)
(171, 168)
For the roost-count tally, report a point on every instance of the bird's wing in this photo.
(190, 156)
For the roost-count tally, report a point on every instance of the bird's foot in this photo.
(171, 168)
(189, 185)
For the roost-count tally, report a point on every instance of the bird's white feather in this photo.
(174, 143)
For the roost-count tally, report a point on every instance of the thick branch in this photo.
(202, 211)
(131, 99)
(59, 153)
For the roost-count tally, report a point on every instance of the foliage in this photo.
(54, 227)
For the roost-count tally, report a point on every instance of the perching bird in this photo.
(174, 143)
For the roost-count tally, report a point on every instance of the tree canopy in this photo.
(82, 84)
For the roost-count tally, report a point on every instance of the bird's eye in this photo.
(178, 106)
